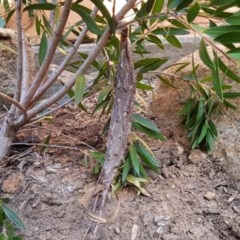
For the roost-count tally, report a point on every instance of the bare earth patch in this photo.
(192, 198)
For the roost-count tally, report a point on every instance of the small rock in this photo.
(236, 209)
(117, 230)
(197, 156)
(210, 196)
(12, 183)
(135, 228)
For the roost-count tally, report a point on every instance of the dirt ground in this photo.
(191, 199)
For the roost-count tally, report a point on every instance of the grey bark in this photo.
(122, 112)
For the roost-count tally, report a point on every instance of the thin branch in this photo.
(15, 103)
(17, 93)
(84, 67)
(25, 68)
(49, 56)
(42, 89)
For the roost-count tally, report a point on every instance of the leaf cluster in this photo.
(8, 221)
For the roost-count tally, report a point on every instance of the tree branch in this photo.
(43, 88)
(98, 48)
(48, 59)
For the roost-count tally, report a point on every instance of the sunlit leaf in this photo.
(193, 12)
(203, 53)
(91, 24)
(173, 41)
(79, 88)
(105, 13)
(43, 48)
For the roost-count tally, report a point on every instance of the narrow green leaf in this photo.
(149, 132)
(134, 158)
(98, 156)
(143, 86)
(91, 24)
(106, 14)
(166, 81)
(193, 12)
(6, 5)
(43, 48)
(158, 6)
(229, 38)
(209, 140)
(176, 23)
(149, 64)
(183, 4)
(203, 53)
(187, 107)
(219, 30)
(212, 127)
(150, 4)
(231, 95)
(173, 3)
(234, 19)
(217, 82)
(234, 54)
(201, 111)
(13, 217)
(104, 93)
(173, 41)
(40, 6)
(229, 104)
(227, 71)
(126, 169)
(170, 31)
(222, 2)
(145, 122)
(154, 39)
(38, 25)
(203, 133)
(79, 88)
(143, 172)
(149, 160)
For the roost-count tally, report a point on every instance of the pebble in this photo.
(12, 183)
(210, 196)
(197, 156)
(117, 230)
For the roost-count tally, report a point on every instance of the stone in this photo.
(197, 156)
(117, 230)
(210, 196)
(11, 183)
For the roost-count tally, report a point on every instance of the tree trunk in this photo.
(122, 112)
(7, 134)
